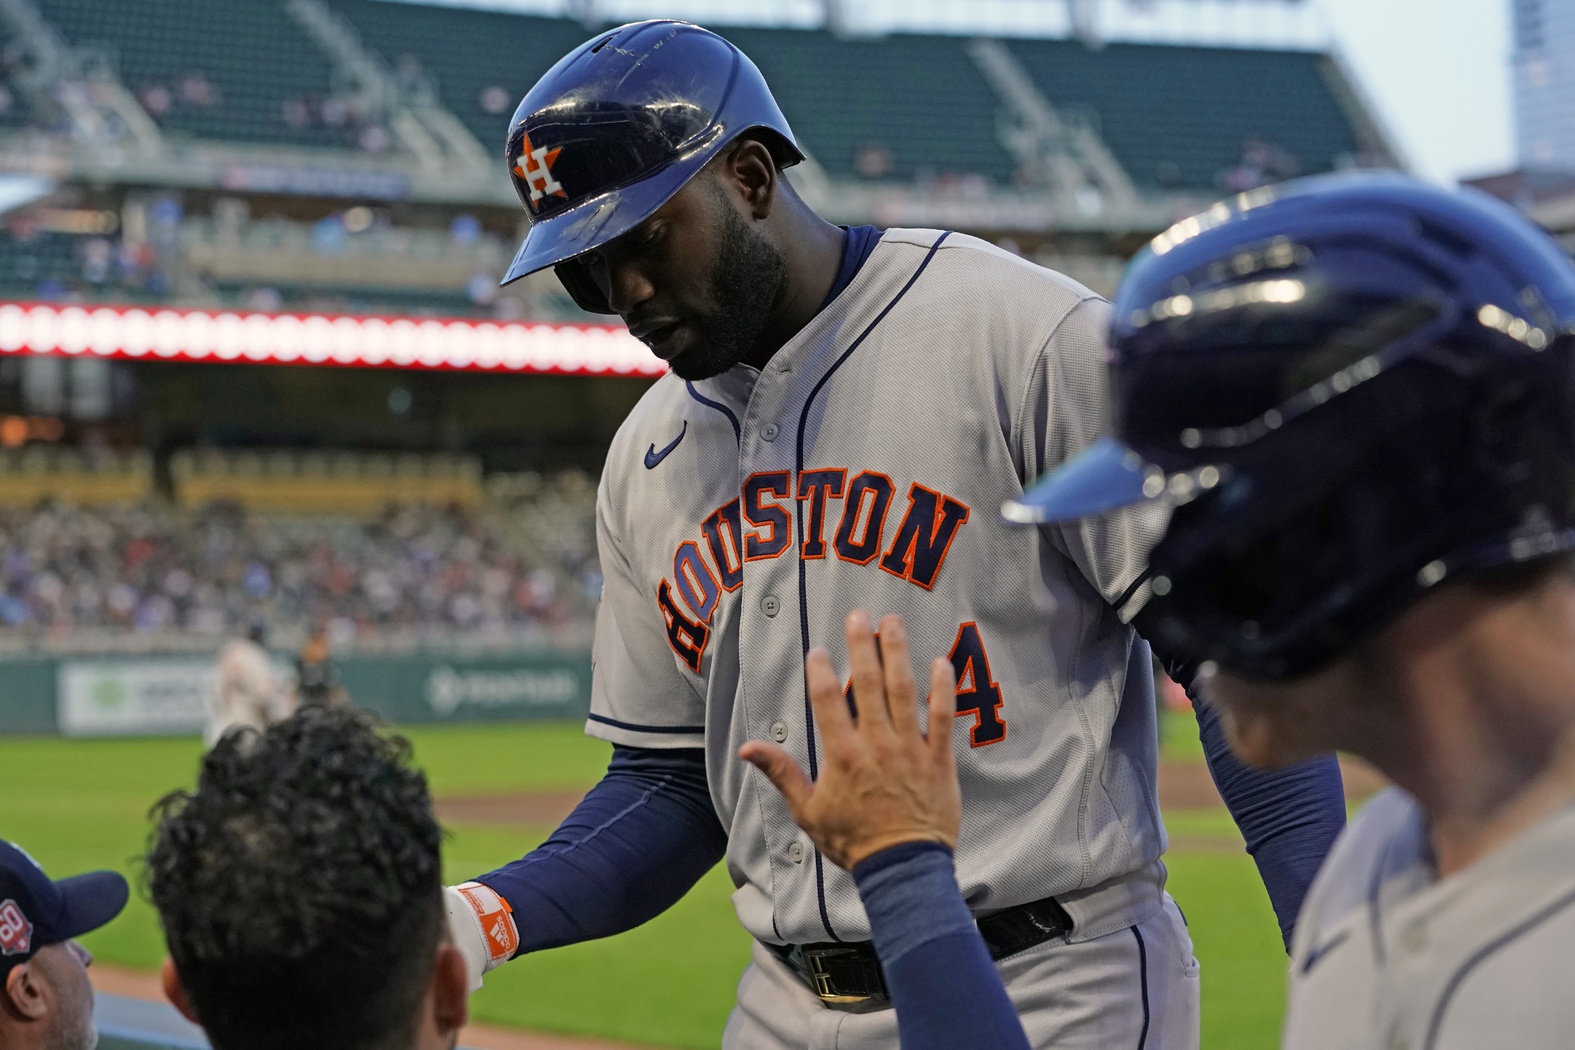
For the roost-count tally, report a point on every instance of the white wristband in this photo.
(482, 925)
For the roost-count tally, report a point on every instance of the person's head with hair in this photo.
(46, 1000)
(299, 887)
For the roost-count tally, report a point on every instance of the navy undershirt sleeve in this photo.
(944, 986)
(1288, 817)
(636, 844)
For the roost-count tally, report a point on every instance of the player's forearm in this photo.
(1288, 817)
(946, 990)
(636, 844)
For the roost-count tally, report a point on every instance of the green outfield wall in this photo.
(142, 696)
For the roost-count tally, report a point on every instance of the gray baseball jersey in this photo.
(741, 518)
(1387, 955)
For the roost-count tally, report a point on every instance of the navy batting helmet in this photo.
(617, 127)
(1350, 388)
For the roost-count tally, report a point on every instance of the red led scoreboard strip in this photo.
(243, 337)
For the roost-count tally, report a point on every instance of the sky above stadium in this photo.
(1437, 72)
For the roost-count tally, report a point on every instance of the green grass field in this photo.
(77, 805)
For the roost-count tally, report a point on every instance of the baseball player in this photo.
(1358, 394)
(245, 690)
(845, 411)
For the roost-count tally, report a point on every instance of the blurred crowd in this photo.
(416, 575)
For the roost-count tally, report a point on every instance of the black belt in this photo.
(850, 972)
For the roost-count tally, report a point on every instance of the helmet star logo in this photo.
(535, 168)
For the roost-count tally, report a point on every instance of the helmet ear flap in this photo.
(581, 287)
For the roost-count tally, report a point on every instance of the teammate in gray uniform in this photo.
(845, 412)
(1358, 393)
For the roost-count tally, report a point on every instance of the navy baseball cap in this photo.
(36, 911)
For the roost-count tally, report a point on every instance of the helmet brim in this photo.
(1106, 476)
(602, 218)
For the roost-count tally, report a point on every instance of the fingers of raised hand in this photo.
(943, 710)
(901, 693)
(784, 773)
(826, 697)
(869, 684)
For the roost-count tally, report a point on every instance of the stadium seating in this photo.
(29, 261)
(467, 52)
(292, 481)
(33, 474)
(253, 56)
(920, 100)
(13, 111)
(1178, 117)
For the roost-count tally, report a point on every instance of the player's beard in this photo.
(746, 281)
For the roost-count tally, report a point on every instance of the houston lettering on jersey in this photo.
(759, 524)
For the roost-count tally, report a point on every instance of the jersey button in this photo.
(778, 731)
(769, 432)
(1414, 937)
(796, 852)
(770, 605)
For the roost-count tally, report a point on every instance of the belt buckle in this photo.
(815, 969)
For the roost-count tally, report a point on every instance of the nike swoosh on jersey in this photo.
(1316, 955)
(653, 457)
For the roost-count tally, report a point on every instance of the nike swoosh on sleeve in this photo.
(653, 457)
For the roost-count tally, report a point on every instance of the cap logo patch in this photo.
(16, 933)
(535, 167)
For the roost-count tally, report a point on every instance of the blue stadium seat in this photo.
(1177, 117)
(255, 58)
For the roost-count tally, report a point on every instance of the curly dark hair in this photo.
(300, 886)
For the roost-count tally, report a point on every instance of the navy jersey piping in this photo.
(728, 412)
(803, 583)
(636, 728)
(1480, 956)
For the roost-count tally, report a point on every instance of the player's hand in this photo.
(481, 924)
(884, 781)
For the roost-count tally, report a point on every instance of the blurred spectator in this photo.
(1261, 163)
(155, 98)
(464, 230)
(872, 162)
(495, 99)
(196, 89)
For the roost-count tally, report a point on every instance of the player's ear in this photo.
(174, 992)
(450, 986)
(25, 994)
(749, 167)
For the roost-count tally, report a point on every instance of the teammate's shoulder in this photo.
(1386, 839)
(961, 255)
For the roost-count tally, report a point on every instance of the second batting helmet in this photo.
(612, 131)
(1351, 389)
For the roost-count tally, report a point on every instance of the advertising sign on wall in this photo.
(133, 697)
(169, 696)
